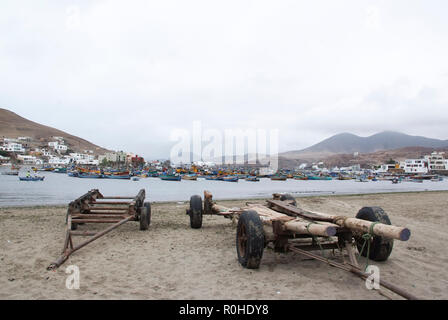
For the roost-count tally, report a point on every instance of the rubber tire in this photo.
(255, 240)
(144, 219)
(287, 196)
(196, 212)
(148, 206)
(380, 248)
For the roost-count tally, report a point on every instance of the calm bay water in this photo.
(60, 189)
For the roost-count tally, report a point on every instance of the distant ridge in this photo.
(345, 143)
(12, 126)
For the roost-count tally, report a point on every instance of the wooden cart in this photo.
(93, 207)
(290, 228)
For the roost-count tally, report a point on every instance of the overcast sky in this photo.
(124, 74)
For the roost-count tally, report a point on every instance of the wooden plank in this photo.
(86, 216)
(108, 208)
(293, 224)
(354, 224)
(95, 220)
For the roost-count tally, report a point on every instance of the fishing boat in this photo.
(135, 178)
(60, 170)
(311, 177)
(10, 173)
(190, 177)
(362, 179)
(252, 178)
(230, 178)
(31, 178)
(117, 176)
(72, 173)
(46, 169)
(170, 177)
(278, 178)
(90, 175)
(211, 178)
(300, 178)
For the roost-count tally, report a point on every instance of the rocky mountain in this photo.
(13, 126)
(347, 143)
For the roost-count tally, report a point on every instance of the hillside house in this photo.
(13, 147)
(415, 166)
(436, 161)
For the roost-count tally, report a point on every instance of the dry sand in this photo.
(172, 261)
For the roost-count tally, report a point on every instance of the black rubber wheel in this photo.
(195, 212)
(144, 218)
(148, 206)
(289, 199)
(380, 248)
(250, 240)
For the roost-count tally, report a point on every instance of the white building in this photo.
(386, 168)
(4, 159)
(85, 159)
(436, 161)
(61, 148)
(59, 161)
(57, 146)
(113, 157)
(88, 162)
(29, 159)
(44, 152)
(13, 147)
(415, 166)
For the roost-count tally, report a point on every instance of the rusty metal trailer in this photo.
(290, 228)
(93, 207)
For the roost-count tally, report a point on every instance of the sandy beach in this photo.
(173, 261)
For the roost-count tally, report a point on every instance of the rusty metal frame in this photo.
(90, 208)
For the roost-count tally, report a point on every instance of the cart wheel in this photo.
(380, 248)
(144, 218)
(289, 198)
(196, 212)
(148, 206)
(250, 240)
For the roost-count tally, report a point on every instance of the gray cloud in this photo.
(125, 75)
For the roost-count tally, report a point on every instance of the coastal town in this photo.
(215, 158)
(54, 154)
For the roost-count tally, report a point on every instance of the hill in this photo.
(347, 143)
(12, 126)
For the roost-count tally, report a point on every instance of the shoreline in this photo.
(246, 199)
